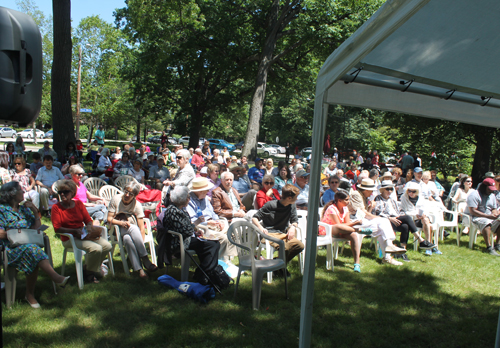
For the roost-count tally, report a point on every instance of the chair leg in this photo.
(329, 255)
(10, 285)
(286, 283)
(124, 259)
(79, 267)
(237, 281)
(185, 264)
(269, 256)
(64, 262)
(256, 289)
(153, 252)
(110, 264)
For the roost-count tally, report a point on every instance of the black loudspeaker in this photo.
(20, 68)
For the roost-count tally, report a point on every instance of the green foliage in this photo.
(122, 135)
(84, 131)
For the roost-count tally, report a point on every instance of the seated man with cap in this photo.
(361, 209)
(159, 173)
(245, 191)
(278, 218)
(301, 180)
(255, 174)
(226, 200)
(482, 206)
(386, 206)
(424, 188)
(202, 215)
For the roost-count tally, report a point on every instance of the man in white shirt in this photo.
(302, 180)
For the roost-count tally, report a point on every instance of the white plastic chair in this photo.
(331, 243)
(185, 261)
(10, 274)
(442, 223)
(245, 236)
(107, 192)
(79, 256)
(116, 238)
(94, 184)
(473, 230)
(123, 180)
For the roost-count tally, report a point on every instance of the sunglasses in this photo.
(17, 163)
(412, 191)
(64, 192)
(79, 174)
(334, 182)
(389, 189)
(269, 183)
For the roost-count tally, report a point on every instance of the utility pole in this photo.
(78, 93)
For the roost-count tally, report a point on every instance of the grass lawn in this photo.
(449, 300)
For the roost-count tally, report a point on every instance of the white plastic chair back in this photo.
(123, 180)
(107, 192)
(94, 184)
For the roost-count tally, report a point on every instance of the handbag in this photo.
(25, 236)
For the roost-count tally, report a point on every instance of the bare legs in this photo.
(350, 234)
(31, 279)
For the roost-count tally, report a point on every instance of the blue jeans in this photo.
(98, 212)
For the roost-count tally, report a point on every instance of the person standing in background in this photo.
(99, 136)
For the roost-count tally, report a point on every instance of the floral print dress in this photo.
(24, 258)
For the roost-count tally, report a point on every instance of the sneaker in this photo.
(357, 267)
(436, 251)
(366, 231)
(428, 252)
(497, 247)
(426, 245)
(392, 261)
(491, 251)
(405, 258)
(392, 249)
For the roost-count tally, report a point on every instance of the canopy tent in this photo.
(431, 58)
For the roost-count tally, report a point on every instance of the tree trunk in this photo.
(138, 133)
(481, 165)
(259, 94)
(195, 127)
(61, 77)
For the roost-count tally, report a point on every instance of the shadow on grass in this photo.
(384, 306)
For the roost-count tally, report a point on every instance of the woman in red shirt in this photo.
(267, 192)
(69, 216)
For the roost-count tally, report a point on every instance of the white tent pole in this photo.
(319, 125)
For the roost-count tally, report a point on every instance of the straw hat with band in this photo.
(200, 184)
(367, 184)
(386, 184)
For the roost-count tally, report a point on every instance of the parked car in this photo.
(279, 149)
(239, 146)
(154, 139)
(220, 144)
(306, 151)
(49, 134)
(265, 149)
(28, 133)
(185, 141)
(7, 132)
(172, 141)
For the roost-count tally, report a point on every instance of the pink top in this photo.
(332, 210)
(81, 193)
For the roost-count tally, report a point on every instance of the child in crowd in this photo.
(37, 164)
(94, 146)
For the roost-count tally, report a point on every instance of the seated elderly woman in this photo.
(202, 214)
(26, 180)
(267, 192)
(27, 258)
(70, 216)
(269, 166)
(104, 161)
(386, 206)
(213, 171)
(361, 209)
(412, 203)
(136, 172)
(122, 166)
(97, 211)
(217, 158)
(185, 172)
(127, 213)
(176, 219)
(336, 213)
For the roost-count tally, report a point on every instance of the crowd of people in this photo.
(205, 190)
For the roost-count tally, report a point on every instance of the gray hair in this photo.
(105, 152)
(134, 186)
(268, 177)
(179, 195)
(224, 174)
(216, 151)
(8, 191)
(75, 169)
(183, 153)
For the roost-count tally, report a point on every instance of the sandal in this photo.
(151, 268)
(143, 274)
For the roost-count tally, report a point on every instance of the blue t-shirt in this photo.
(256, 174)
(328, 196)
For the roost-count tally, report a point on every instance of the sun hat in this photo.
(385, 184)
(413, 186)
(200, 184)
(367, 184)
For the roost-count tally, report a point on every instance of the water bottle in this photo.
(199, 213)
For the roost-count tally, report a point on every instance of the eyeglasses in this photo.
(412, 191)
(334, 182)
(269, 183)
(64, 192)
(17, 163)
(129, 193)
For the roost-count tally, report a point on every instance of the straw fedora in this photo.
(385, 184)
(367, 184)
(200, 184)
